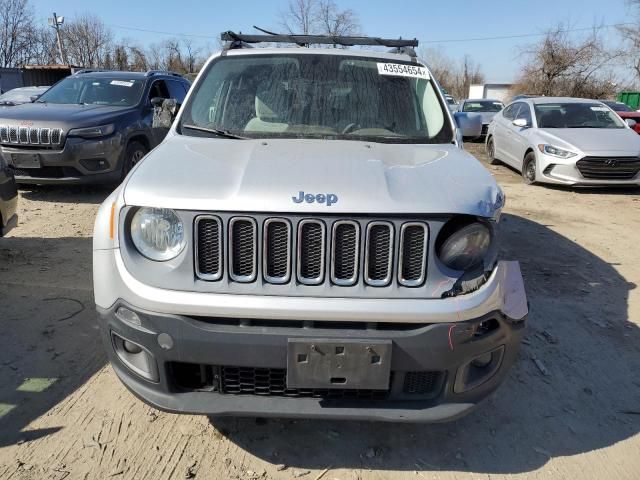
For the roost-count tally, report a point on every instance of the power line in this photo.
(175, 34)
(525, 35)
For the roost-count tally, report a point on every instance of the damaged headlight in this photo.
(463, 245)
(157, 233)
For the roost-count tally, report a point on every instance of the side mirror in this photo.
(469, 125)
(631, 122)
(521, 122)
(33, 98)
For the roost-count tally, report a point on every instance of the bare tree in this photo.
(300, 17)
(87, 41)
(454, 76)
(16, 27)
(337, 22)
(631, 36)
(312, 17)
(560, 66)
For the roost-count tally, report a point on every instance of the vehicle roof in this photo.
(125, 74)
(31, 87)
(543, 100)
(482, 100)
(320, 51)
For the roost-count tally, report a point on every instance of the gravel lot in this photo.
(569, 409)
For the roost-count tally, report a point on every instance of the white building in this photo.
(494, 91)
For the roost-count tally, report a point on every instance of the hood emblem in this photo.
(326, 198)
(26, 123)
(611, 162)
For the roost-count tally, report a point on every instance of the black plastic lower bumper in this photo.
(80, 161)
(192, 358)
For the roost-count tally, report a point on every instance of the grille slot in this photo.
(379, 254)
(4, 134)
(609, 168)
(420, 383)
(13, 134)
(33, 136)
(23, 135)
(311, 252)
(273, 382)
(413, 254)
(45, 137)
(208, 247)
(345, 243)
(242, 249)
(277, 250)
(56, 136)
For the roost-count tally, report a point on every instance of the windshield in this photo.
(576, 115)
(317, 96)
(20, 95)
(482, 106)
(619, 107)
(95, 91)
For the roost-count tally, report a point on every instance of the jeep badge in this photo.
(328, 198)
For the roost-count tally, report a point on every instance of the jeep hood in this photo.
(194, 173)
(60, 115)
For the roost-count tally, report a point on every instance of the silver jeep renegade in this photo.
(309, 240)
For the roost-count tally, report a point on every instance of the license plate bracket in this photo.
(25, 160)
(332, 364)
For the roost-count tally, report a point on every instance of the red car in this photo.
(625, 112)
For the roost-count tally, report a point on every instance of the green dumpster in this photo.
(630, 98)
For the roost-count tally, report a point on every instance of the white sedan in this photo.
(568, 141)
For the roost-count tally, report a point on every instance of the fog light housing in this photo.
(135, 357)
(478, 370)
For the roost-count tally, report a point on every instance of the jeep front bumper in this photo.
(221, 354)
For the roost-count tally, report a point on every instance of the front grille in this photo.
(30, 136)
(344, 263)
(609, 168)
(209, 247)
(413, 254)
(310, 251)
(420, 383)
(242, 245)
(277, 250)
(273, 382)
(379, 254)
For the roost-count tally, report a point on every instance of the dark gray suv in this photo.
(90, 127)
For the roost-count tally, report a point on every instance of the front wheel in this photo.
(491, 152)
(529, 169)
(133, 154)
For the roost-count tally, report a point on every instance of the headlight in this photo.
(555, 151)
(157, 233)
(92, 132)
(465, 247)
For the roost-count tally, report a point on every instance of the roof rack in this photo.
(151, 73)
(239, 40)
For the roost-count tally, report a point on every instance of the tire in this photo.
(491, 152)
(133, 154)
(529, 169)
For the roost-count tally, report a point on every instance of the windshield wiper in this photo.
(215, 131)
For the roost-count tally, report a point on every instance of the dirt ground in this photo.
(569, 409)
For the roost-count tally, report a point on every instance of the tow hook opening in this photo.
(135, 357)
(478, 370)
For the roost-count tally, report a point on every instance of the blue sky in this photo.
(434, 23)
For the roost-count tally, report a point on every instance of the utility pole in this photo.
(55, 22)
